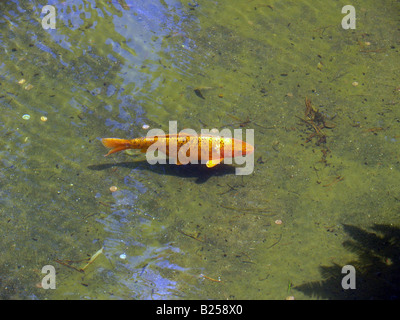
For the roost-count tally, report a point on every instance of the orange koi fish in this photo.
(185, 148)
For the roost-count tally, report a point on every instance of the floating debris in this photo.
(43, 118)
(26, 117)
(198, 91)
(337, 179)
(355, 84)
(113, 188)
(375, 129)
(260, 211)
(279, 221)
(211, 279)
(29, 87)
(122, 256)
(94, 257)
(145, 126)
(22, 81)
(190, 236)
(317, 121)
(68, 264)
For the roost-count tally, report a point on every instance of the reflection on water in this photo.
(169, 232)
(95, 68)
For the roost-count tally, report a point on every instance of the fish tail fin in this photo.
(116, 144)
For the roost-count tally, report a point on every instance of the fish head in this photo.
(247, 148)
(240, 148)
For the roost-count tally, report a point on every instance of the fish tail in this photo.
(116, 144)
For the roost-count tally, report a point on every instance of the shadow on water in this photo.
(200, 172)
(377, 268)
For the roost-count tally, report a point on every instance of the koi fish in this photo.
(188, 148)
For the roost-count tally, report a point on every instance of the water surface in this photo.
(168, 232)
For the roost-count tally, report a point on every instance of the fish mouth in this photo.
(249, 149)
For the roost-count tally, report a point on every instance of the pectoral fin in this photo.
(213, 163)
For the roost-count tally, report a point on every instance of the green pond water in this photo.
(109, 68)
